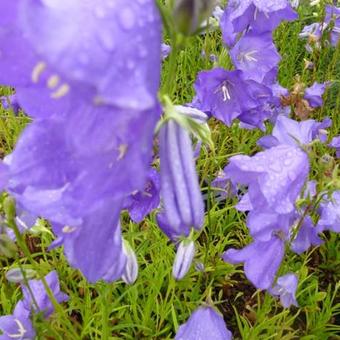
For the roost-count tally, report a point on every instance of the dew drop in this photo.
(127, 18)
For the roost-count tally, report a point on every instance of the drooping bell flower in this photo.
(314, 94)
(204, 323)
(140, 203)
(180, 191)
(10, 102)
(285, 288)
(261, 260)
(43, 301)
(333, 19)
(306, 237)
(330, 213)
(76, 50)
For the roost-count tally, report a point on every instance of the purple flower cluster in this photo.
(93, 97)
(275, 180)
(329, 30)
(19, 324)
(250, 93)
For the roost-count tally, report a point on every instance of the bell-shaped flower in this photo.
(18, 325)
(227, 94)
(77, 49)
(261, 260)
(335, 143)
(255, 55)
(330, 213)
(274, 177)
(41, 297)
(140, 203)
(314, 94)
(257, 16)
(184, 256)
(306, 237)
(204, 323)
(291, 132)
(285, 288)
(333, 19)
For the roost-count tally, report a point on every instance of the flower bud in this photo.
(184, 256)
(16, 275)
(131, 268)
(189, 14)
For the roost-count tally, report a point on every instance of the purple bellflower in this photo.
(227, 94)
(100, 68)
(286, 288)
(141, 203)
(291, 132)
(79, 160)
(18, 325)
(180, 191)
(204, 323)
(330, 213)
(333, 16)
(314, 94)
(307, 236)
(261, 260)
(43, 301)
(274, 177)
(257, 16)
(255, 55)
(335, 143)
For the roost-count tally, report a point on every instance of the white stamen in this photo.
(62, 91)
(53, 81)
(67, 229)
(122, 148)
(21, 331)
(37, 71)
(225, 92)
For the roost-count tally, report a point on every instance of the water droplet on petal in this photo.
(127, 18)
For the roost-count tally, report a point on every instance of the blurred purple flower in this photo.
(330, 214)
(335, 143)
(10, 102)
(333, 15)
(314, 94)
(18, 325)
(226, 94)
(44, 303)
(204, 323)
(306, 237)
(166, 50)
(261, 260)
(286, 288)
